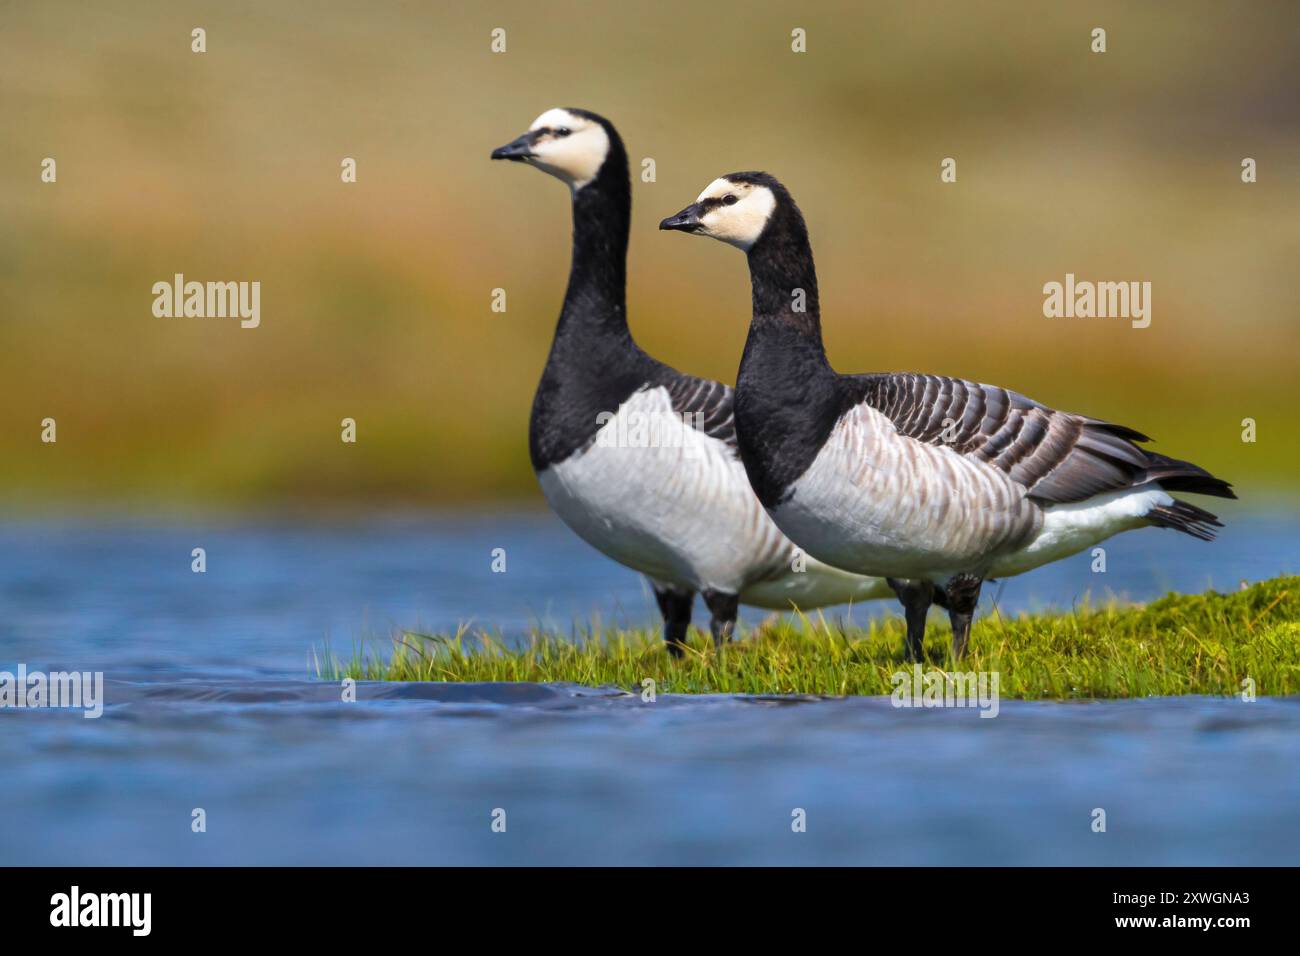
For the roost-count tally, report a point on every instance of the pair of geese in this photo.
(802, 487)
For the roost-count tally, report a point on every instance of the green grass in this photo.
(1180, 644)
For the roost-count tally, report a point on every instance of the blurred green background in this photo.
(376, 296)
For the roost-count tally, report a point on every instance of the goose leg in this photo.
(961, 595)
(675, 606)
(723, 608)
(916, 597)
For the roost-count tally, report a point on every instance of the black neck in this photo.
(594, 364)
(595, 303)
(786, 393)
(784, 278)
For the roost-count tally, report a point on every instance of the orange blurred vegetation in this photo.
(375, 296)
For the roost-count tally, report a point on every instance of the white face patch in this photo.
(739, 223)
(575, 158)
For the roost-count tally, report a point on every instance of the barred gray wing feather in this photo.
(706, 406)
(1056, 456)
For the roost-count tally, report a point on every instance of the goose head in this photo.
(736, 209)
(569, 144)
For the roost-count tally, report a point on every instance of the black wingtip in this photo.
(1187, 518)
(1176, 475)
(1119, 431)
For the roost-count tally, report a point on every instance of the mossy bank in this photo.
(1218, 644)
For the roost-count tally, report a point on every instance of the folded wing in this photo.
(705, 405)
(1056, 456)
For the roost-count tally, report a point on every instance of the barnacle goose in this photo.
(935, 483)
(637, 458)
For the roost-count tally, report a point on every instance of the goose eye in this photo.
(563, 131)
(729, 199)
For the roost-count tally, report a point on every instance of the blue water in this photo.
(212, 705)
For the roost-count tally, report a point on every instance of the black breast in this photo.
(572, 395)
(787, 401)
(570, 400)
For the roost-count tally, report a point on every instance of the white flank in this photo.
(1069, 528)
(877, 503)
(682, 512)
